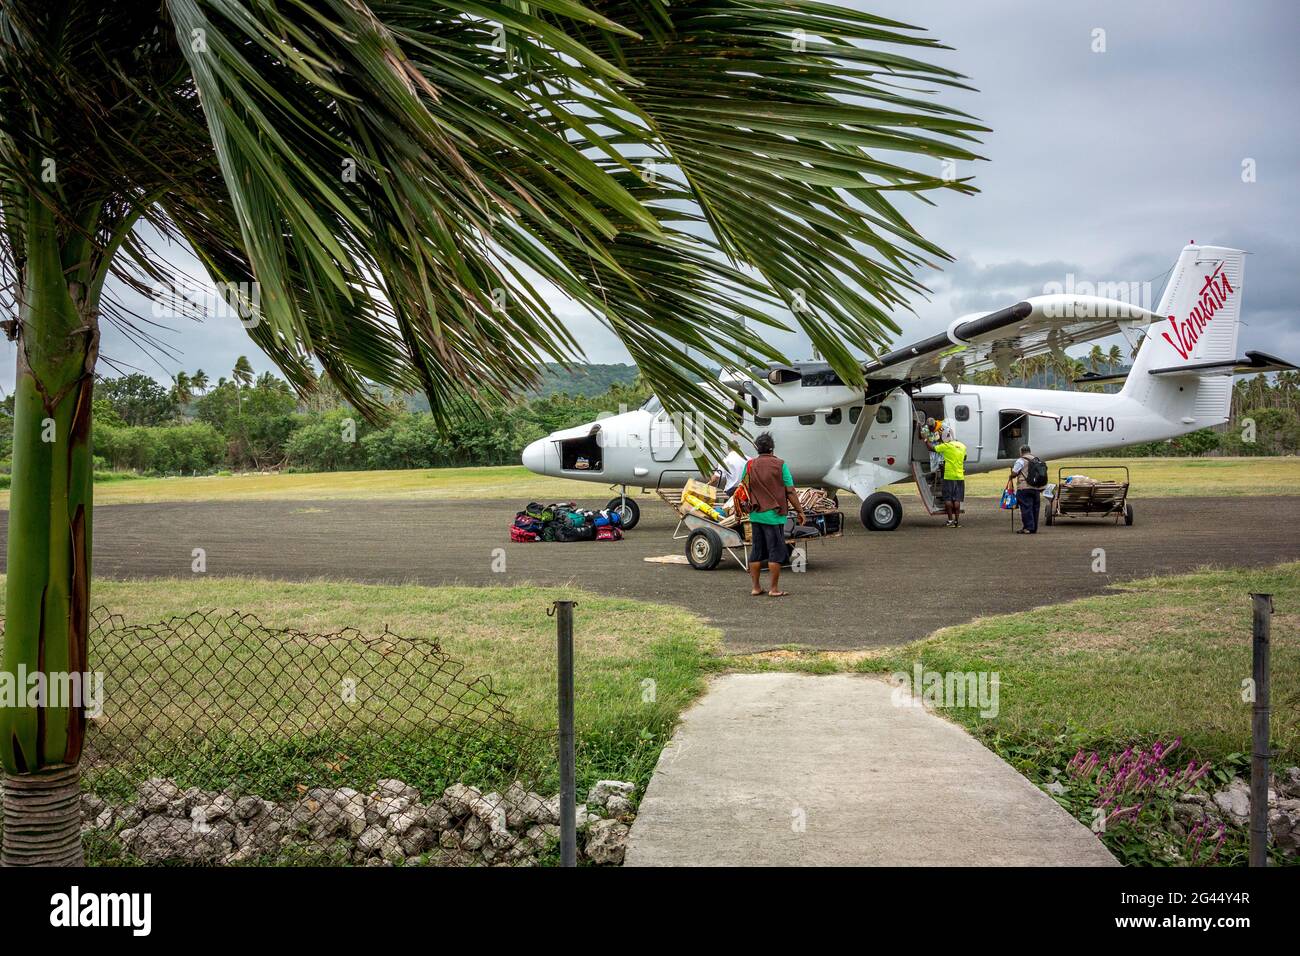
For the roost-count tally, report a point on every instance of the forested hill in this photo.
(586, 381)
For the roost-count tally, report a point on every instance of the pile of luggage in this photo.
(565, 522)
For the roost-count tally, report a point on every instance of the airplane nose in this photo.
(534, 457)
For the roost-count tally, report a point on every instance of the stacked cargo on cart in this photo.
(1082, 496)
(711, 527)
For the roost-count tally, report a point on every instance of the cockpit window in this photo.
(652, 405)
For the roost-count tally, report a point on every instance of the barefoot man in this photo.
(771, 496)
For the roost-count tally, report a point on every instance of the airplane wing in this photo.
(977, 342)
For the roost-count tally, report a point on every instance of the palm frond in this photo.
(411, 185)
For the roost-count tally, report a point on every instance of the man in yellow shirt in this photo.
(954, 478)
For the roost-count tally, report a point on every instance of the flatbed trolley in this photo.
(1103, 499)
(707, 540)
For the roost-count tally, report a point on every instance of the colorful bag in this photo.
(520, 535)
(565, 532)
(609, 533)
(1008, 501)
(527, 522)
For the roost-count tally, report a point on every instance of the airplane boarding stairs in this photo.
(924, 487)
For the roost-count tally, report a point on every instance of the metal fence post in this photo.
(1259, 754)
(568, 784)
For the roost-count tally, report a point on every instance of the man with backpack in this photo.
(1027, 479)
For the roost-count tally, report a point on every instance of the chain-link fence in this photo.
(219, 740)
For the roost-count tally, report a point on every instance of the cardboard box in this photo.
(707, 492)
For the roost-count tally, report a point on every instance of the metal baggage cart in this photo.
(707, 540)
(1102, 499)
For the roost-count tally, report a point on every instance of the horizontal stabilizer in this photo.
(1097, 378)
(1253, 362)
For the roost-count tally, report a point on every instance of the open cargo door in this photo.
(1014, 428)
(961, 410)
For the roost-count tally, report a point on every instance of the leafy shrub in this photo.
(188, 449)
(322, 444)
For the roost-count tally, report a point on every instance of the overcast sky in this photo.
(1101, 165)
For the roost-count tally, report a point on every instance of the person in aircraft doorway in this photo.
(932, 434)
(954, 475)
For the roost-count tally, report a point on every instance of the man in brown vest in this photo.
(770, 496)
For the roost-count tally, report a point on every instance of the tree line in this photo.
(244, 422)
(247, 422)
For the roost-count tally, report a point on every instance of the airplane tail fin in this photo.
(1201, 307)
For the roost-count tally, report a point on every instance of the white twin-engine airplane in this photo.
(835, 436)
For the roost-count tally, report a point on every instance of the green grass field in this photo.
(1151, 477)
(637, 667)
(1156, 659)
(1166, 477)
(503, 632)
(1160, 658)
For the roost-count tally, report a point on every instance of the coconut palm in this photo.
(182, 386)
(242, 374)
(182, 391)
(243, 371)
(1096, 358)
(199, 381)
(385, 189)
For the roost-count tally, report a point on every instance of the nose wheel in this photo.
(629, 511)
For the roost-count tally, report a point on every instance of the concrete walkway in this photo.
(789, 769)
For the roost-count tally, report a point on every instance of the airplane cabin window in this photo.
(652, 405)
(807, 419)
(854, 414)
(963, 413)
(835, 417)
(884, 415)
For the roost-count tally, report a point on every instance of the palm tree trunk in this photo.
(42, 818)
(47, 590)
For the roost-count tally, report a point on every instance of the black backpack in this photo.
(1035, 472)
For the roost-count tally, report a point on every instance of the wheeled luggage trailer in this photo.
(707, 540)
(1105, 499)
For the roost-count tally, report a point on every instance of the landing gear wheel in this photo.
(881, 512)
(1048, 517)
(1128, 514)
(704, 549)
(629, 511)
